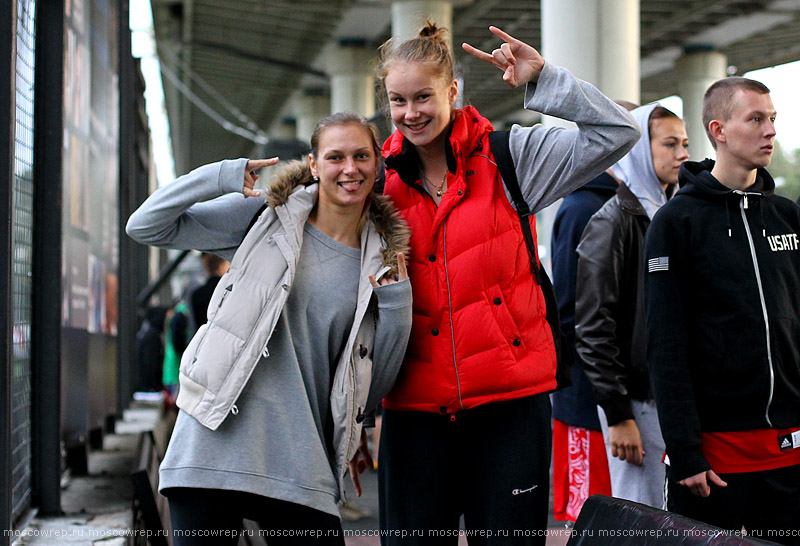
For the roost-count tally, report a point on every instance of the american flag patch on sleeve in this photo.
(658, 264)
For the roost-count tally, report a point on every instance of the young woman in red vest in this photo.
(466, 427)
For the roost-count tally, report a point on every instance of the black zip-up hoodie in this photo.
(722, 299)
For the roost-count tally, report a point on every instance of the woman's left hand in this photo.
(250, 175)
(360, 462)
(519, 62)
(402, 273)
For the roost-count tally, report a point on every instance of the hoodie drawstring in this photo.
(728, 218)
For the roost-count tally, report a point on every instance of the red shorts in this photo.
(580, 469)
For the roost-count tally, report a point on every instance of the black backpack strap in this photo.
(253, 221)
(499, 144)
(380, 179)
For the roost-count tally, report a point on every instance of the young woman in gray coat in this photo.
(305, 333)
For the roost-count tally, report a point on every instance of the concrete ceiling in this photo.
(239, 62)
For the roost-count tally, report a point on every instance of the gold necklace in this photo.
(440, 188)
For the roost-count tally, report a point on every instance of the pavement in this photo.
(98, 507)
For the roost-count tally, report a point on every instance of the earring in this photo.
(316, 179)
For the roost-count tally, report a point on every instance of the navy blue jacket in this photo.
(575, 405)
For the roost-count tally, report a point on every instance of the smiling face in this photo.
(420, 101)
(747, 138)
(668, 143)
(346, 164)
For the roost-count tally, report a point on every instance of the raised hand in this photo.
(402, 273)
(250, 175)
(519, 62)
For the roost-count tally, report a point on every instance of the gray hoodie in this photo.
(636, 168)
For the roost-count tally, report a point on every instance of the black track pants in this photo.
(214, 517)
(489, 463)
(766, 503)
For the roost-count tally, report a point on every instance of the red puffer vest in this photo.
(479, 333)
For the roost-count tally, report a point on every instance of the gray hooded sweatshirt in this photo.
(636, 168)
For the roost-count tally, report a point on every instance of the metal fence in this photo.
(22, 234)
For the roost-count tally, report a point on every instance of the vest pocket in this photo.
(239, 305)
(499, 309)
(211, 361)
(188, 357)
(221, 293)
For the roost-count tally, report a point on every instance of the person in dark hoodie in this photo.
(609, 313)
(723, 323)
(580, 467)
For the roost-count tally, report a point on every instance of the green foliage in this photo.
(785, 169)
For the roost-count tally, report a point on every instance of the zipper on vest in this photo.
(228, 290)
(743, 204)
(450, 307)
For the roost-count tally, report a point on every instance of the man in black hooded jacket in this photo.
(722, 298)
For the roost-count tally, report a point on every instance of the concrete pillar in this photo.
(619, 76)
(696, 70)
(598, 40)
(310, 107)
(284, 128)
(408, 16)
(352, 81)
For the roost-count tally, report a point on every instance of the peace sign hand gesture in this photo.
(402, 273)
(250, 175)
(519, 62)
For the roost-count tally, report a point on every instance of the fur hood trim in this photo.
(288, 176)
(391, 226)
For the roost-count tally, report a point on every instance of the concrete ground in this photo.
(97, 507)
